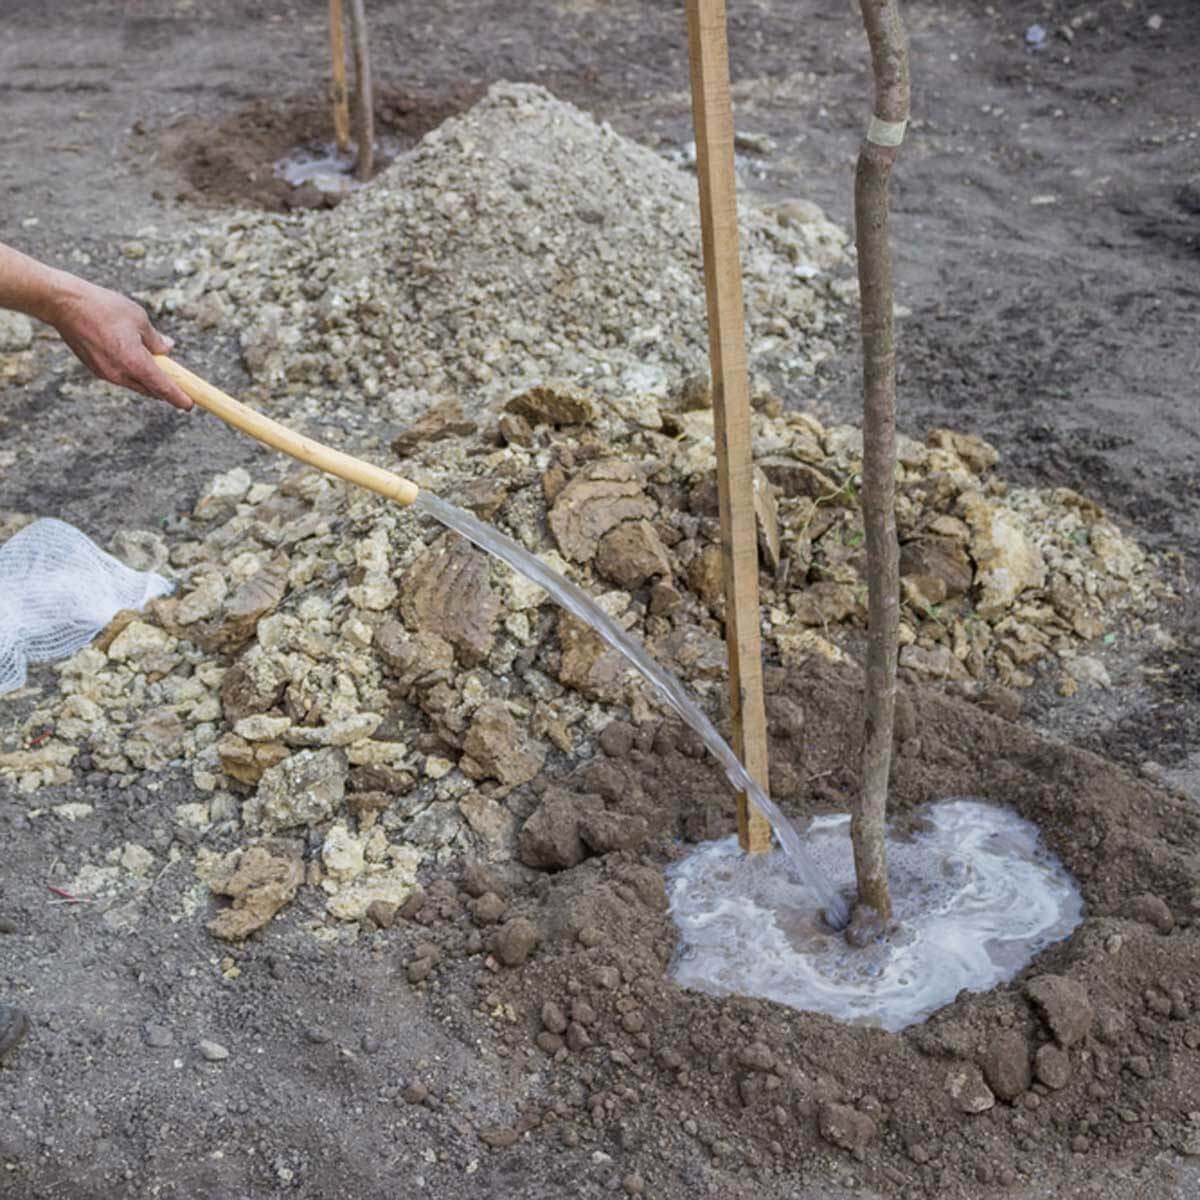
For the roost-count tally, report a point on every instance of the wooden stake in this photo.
(712, 116)
(364, 99)
(337, 86)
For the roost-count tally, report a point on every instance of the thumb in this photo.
(156, 342)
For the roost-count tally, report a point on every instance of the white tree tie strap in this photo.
(886, 133)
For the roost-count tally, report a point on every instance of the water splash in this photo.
(975, 894)
(581, 605)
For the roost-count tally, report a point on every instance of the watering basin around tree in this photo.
(975, 897)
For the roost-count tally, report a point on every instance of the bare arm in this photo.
(109, 333)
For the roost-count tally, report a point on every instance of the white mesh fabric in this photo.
(57, 591)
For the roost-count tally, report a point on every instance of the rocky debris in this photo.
(260, 880)
(439, 422)
(306, 788)
(551, 837)
(846, 1128)
(966, 1087)
(335, 665)
(553, 404)
(1064, 1005)
(1052, 1066)
(362, 294)
(1005, 1065)
(515, 941)
(597, 500)
(446, 592)
(495, 748)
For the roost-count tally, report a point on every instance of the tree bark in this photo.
(364, 108)
(889, 60)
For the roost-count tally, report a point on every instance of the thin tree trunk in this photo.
(889, 59)
(337, 83)
(364, 108)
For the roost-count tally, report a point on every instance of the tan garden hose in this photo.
(279, 437)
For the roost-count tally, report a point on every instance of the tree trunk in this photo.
(364, 108)
(889, 59)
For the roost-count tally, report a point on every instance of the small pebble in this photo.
(213, 1051)
(158, 1036)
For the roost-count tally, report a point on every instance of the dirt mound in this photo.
(1088, 1057)
(520, 240)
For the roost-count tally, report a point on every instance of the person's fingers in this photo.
(155, 342)
(157, 382)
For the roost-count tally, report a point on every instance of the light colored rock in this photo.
(135, 859)
(16, 332)
(141, 549)
(337, 733)
(1119, 556)
(304, 789)
(221, 497)
(496, 748)
(138, 640)
(1007, 562)
(342, 855)
(260, 880)
(588, 664)
(246, 761)
(766, 517)
(937, 662)
(1087, 670)
(155, 740)
(392, 884)
(967, 1089)
(490, 821)
(262, 728)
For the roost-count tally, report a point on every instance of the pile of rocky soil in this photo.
(517, 241)
(331, 663)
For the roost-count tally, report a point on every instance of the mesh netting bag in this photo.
(58, 589)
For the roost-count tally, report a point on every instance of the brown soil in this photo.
(230, 161)
(1133, 1076)
(1047, 250)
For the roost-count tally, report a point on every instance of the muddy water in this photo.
(975, 895)
(800, 863)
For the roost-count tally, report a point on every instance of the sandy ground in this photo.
(1048, 231)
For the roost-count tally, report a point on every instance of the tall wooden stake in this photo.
(337, 85)
(712, 116)
(889, 60)
(364, 97)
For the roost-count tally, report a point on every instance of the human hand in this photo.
(112, 336)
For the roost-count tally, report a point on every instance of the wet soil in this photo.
(229, 162)
(1048, 242)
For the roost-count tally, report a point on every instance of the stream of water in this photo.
(581, 605)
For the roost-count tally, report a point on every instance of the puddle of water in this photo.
(322, 166)
(975, 893)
